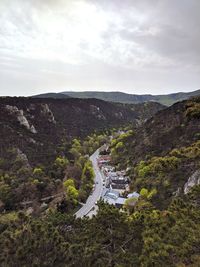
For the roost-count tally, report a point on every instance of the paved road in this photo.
(89, 208)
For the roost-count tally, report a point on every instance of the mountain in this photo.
(51, 95)
(44, 140)
(165, 151)
(167, 100)
(37, 126)
(170, 128)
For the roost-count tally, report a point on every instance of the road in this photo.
(90, 208)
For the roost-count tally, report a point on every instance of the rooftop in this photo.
(133, 195)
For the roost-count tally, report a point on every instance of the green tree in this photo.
(68, 182)
(71, 191)
(87, 178)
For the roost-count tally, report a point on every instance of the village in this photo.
(116, 190)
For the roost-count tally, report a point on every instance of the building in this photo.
(120, 201)
(103, 160)
(119, 186)
(119, 179)
(113, 197)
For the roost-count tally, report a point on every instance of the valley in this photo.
(45, 141)
(124, 184)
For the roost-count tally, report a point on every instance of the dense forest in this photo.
(147, 237)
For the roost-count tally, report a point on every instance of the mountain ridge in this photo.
(31, 122)
(122, 97)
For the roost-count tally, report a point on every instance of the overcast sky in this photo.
(135, 46)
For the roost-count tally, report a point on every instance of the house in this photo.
(117, 202)
(120, 201)
(113, 174)
(103, 160)
(119, 186)
(112, 194)
(118, 180)
(112, 197)
(121, 173)
(115, 180)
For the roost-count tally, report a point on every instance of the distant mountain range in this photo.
(123, 97)
(52, 95)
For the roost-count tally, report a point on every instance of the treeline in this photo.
(144, 237)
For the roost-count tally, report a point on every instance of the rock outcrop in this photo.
(193, 180)
(19, 113)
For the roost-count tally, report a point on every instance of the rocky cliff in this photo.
(39, 126)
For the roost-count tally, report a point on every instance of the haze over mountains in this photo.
(121, 97)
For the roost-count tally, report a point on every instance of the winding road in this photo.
(90, 208)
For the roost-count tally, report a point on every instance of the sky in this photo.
(134, 46)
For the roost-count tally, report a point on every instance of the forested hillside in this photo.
(45, 141)
(39, 126)
(146, 238)
(164, 152)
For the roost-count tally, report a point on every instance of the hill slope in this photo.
(39, 145)
(165, 151)
(39, 126)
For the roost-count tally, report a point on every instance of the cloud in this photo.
(167, 31)
(95, 44)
